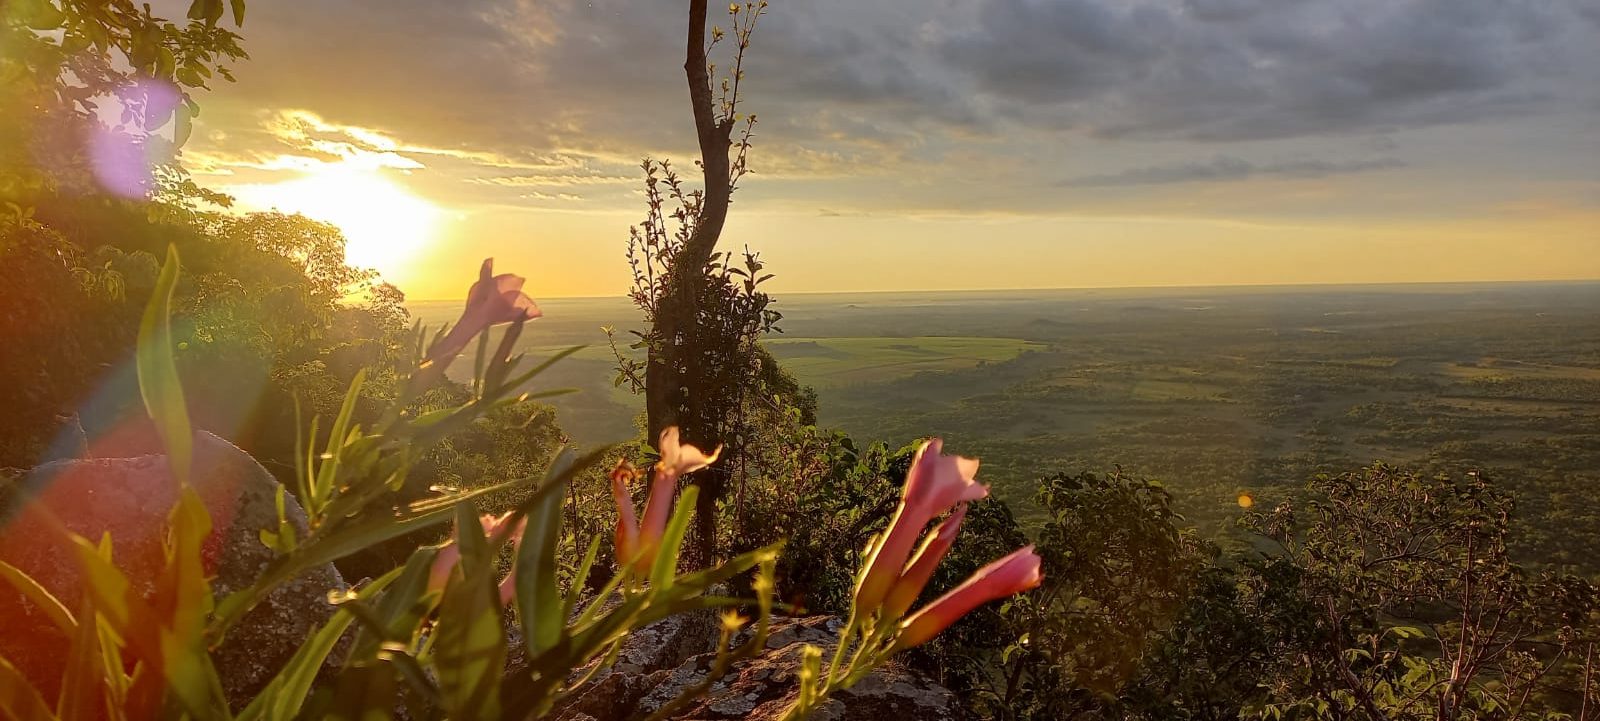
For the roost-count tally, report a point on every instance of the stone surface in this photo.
(764, 686)
(665, 644)
(129, 498)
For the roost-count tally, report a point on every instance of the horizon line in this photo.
(1327, 284)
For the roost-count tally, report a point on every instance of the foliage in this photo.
(430, 631)
(1118, 568)
(1418, 611)
(68, 55)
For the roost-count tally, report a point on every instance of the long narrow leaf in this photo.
(538, 598)
(282, 698)
(542, 367)
(581, 577)
(346, 540)
(400, 610)
(158, 372)
(18, 698)
(470, 649)
(329, 470)
(188, 667)
(35, 593)
(666, 565)
(81, 682)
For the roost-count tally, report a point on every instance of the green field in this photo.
(603, 411)
(1213, 391)
(828, 363)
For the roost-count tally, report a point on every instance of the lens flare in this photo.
(122, 157)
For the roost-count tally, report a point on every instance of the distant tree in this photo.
(1417, 612)
(1119, 569)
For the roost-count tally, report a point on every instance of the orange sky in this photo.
(951, 153)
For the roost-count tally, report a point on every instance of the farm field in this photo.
(1217, 392)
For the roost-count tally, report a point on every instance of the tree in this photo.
(71, 300)
(703, 312)
(1416, 610)
(1119, 569)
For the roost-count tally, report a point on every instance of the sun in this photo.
(384, 224)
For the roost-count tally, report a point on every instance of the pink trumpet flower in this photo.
(638, 546)
(1008, 576)
(923, 564)
(493, 300)
(935, 483)
(448, 557)
(627, 543)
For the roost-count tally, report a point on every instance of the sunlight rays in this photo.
(384, 224)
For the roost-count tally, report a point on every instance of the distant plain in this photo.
(1218, 392)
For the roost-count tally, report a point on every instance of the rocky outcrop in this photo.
(271, 632)
(764, 686)
(129, 498)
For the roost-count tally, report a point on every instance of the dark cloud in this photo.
(953, 94)
(1249, 70)
(1227, 167)
(571, 72)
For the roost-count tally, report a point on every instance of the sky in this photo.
(937, 144)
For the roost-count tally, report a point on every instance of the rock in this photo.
(665, 644)
(764, 687)
(129, 498)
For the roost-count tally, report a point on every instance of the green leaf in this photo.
(402, 607)
(328, 471)
(282, 698)
(666, 565)
(581, 577)
(35, 593)
(80, 683)
(470, 652)
(183, 644)
(697, 582)
(518, 381)
(365, 693)
(158, 372)
(539, 602)
(348, 539)
(1407, 631)
(238, 12)
(36, 14)
(18, 698)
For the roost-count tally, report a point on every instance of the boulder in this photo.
(614, 692)
(764, 686)
(130, 498)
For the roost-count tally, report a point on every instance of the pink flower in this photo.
(1010, 575)
(680, 458)
(448, 557)
(493, 300)
(934, 484)
(639, 545)
(923, 564)
(627, 543)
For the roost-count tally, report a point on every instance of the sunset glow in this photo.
(384, 223)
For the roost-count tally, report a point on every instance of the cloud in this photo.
(955, 104)
(523, 181)
(1226, 168)
(1234, 70)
